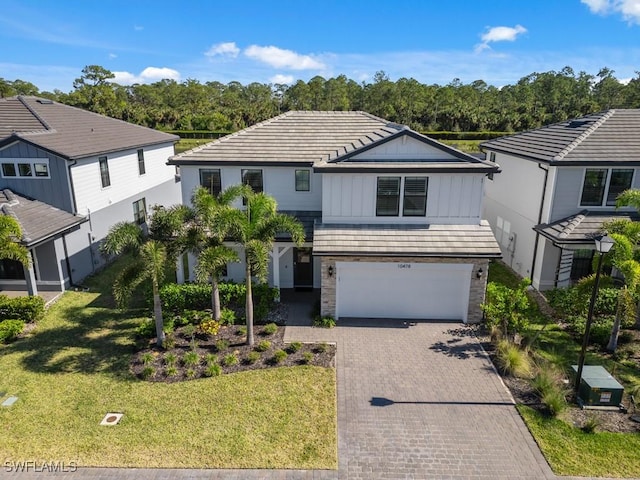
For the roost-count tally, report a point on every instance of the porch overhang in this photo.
(453, 241)
(577, 232)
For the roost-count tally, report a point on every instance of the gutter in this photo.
(72, 191)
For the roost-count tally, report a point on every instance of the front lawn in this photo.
(75, 367)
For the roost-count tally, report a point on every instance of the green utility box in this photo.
(598, 388)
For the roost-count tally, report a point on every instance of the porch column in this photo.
(275, 264)
(30, 277)
(180, 270)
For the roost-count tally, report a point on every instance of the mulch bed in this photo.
(153, 358)
(524, 394)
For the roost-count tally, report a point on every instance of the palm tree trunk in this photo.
(215, 298)
(615, 330)
(249, 304)
(157, 313)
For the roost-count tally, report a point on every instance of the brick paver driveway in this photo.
(423, 401)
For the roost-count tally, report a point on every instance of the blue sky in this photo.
(434, 41)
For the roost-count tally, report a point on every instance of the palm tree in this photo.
(10, 246)
(255, 228)
(204, 234)
(149, 260)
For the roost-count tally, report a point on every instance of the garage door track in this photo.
(422, 400)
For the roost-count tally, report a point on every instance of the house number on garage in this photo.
(404, 265)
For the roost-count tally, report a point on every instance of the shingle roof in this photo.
(609, 136)
(406, 240)
(307, 218)
(37, 220)
(582, 227)
(71, 132)
(296, 136)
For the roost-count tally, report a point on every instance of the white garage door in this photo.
(403, 290)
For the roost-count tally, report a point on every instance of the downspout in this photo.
(537, 239)
(72, 191)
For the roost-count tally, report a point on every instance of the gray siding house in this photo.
(393, 218)
(82, 171)
(558, 185)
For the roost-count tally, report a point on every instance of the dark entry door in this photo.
(302, 268)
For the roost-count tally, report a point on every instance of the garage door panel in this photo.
(402, 290)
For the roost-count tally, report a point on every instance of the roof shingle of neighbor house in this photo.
(37, 220)
(609, 136)
(71, 132)
(297, 136)
(582, 227)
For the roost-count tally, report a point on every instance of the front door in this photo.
(302, 268)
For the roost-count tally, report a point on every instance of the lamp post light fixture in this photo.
(603, 245)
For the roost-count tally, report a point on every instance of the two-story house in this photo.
(558, 185)
(67, 176)
(393, 218)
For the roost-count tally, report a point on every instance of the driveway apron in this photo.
(422, 400)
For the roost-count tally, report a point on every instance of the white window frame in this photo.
(32, 162)
(401, 196)
(138, 217)
(609, 172)
(295, 179)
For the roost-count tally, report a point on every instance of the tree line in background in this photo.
(535, 100)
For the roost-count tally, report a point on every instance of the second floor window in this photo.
(140, 211)
(253, 178)
(388, 197)
(104, 172)
(302, 181)
(211, 180)
(141, 167)
(37, 167)
(415, 197)
(602, 186)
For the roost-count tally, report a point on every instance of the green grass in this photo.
(75, 368)
(468, 146)
(570, 451)
(188, 143)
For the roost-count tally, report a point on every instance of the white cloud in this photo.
(499, 34)
(280, 58)
(138, 28)
(282, 79)
(113, 55)
(629, 9)
(148, 75)
(227, 49)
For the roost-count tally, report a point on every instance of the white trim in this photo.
(607, 185)
(32, 162)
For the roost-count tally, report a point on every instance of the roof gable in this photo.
(612, 136)
(71, 132)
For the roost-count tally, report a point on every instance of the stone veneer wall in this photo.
(476, 291)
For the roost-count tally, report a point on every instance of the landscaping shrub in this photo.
(222, 345)
(600, 328)
(29, 309)
(253, 357)
(279, 356)
(146, 358)
(171, 371)
(213, 370)
(512, 360)
(190, 373)
(209, 327)
(507, 308)
(242, 331)
(10, 329)
(169, 342)
(270, 329)
(545, 379)
(321, 347)
(591, 424)
(211, 359)
(555, 400)
(294, 347)
(148, 372)
(191, 359)
(307, 357)
(230, 360)
(324, 322)
(263, 346)
(170, 359)
(227, 316)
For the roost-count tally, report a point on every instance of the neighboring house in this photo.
(68, 175)
(392, 218)
(558, 185)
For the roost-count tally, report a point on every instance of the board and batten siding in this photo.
(451, 199)
(279, 182)
(54, 190)
(125, 178)
(568, 188)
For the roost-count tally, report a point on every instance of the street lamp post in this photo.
(603, 245)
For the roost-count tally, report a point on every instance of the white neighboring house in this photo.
(83, 170)
(558, 185)
(392, 218)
